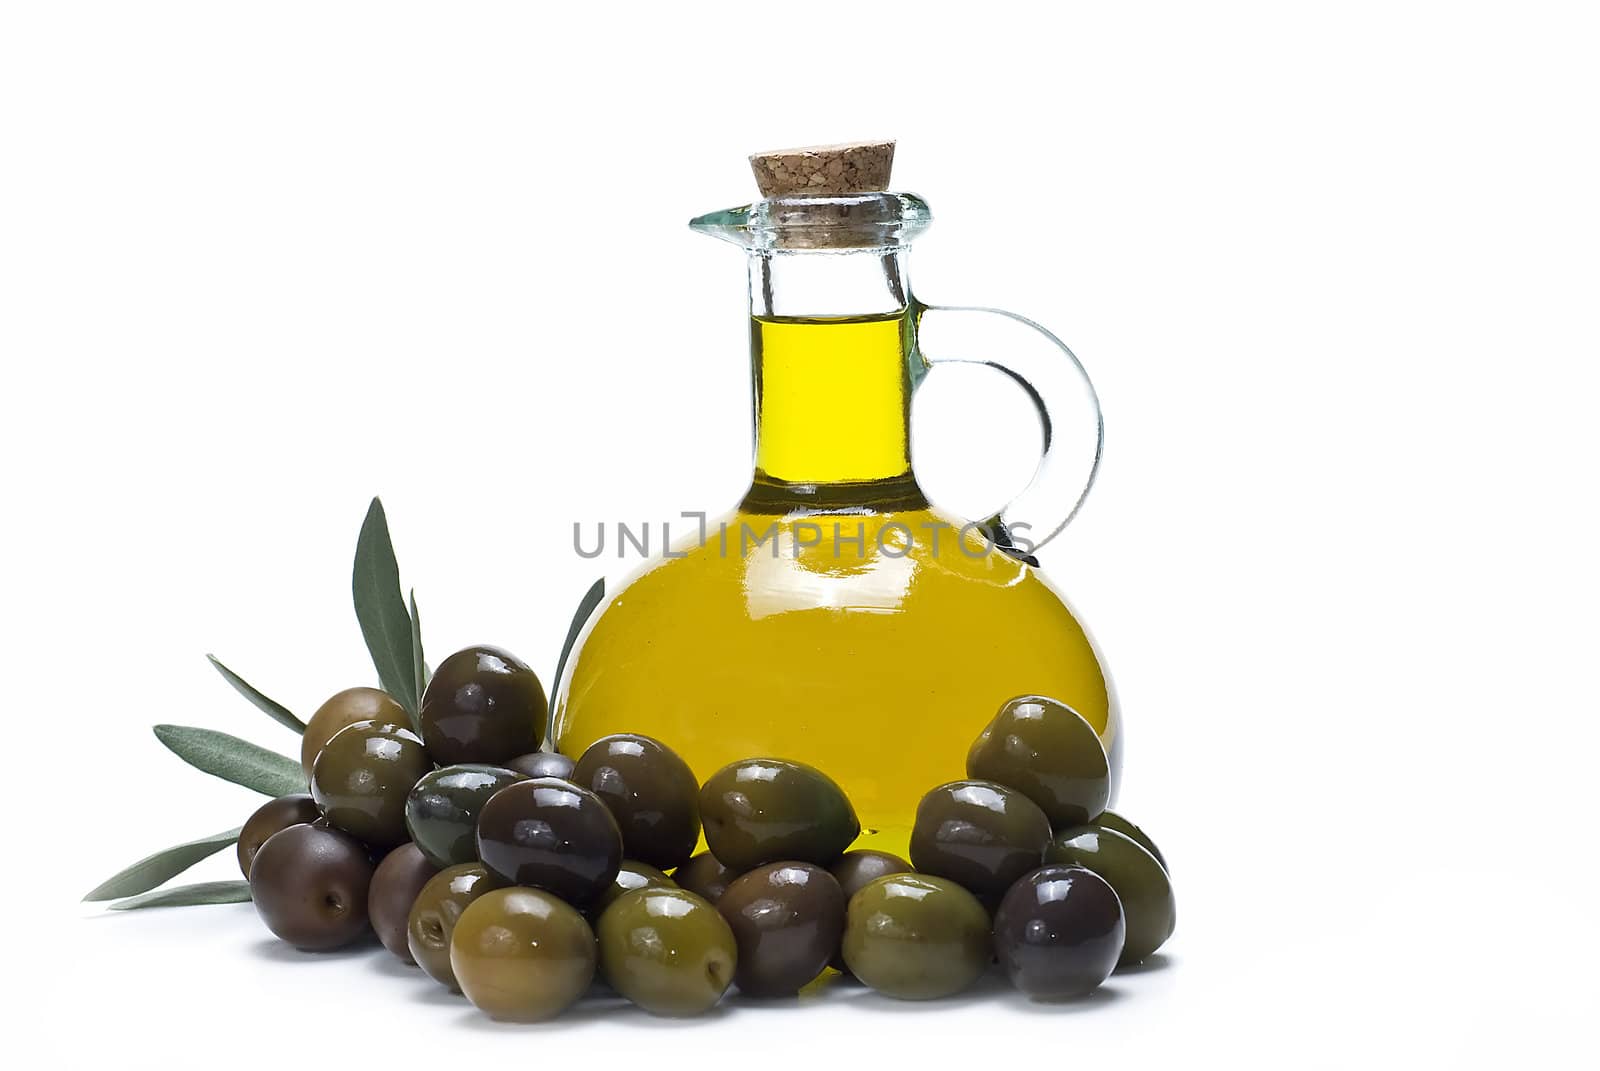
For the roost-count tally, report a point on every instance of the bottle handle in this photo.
(1061, 391)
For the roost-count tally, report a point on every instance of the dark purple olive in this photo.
(705, 876)
(552, 835)
(651, 792)
(482, 705)
(310, 887)
(1059, 932)
(270, 818)
(787, 919)
(854, 870)
(395, 885)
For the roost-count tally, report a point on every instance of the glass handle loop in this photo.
(1060, 388)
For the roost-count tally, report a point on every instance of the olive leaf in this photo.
(272, 708)
(586, 605)
(226, 756)
(205, 892)
(385, 623)
(163, 866)
(419, 664)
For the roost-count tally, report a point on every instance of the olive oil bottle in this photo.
(836, 617)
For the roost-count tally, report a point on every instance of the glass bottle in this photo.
(836, 617)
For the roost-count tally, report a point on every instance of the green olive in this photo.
(650, 791)
(1044, 749)
(442, 810)
(542, 764)
(916, 937)
(667, 950)
(980, 835)
(346, 708)
(631, 876)
(759, 811)
(1113, 821)
(855, 870)
(434, 914)
(361, 779)
(521, 955)
(1138, 878)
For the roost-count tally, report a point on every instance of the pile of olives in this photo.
(517, 877)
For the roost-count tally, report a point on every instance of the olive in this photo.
(346, 708)
(551, 834)
(705, 876)
(916, 937)
(442, 810)
(435, 912)
(651, 792)
(395, 885)
(631, 876)
(362, 776)
(482, 705)
(787, 919)
(759, 811)
(1058, 932)
(1113, 821)
(856, 869)
(269, 818)
(522, 955)
(1046, 750)
(542, 764)
(310, 886)
(667, 950)
(1140, 883)
(980, 835)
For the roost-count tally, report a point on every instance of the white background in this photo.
(1332, 266)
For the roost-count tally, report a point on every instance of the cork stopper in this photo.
(824, 170)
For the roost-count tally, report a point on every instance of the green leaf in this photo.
(586, 605)
(206, 892)
(163, 866)
(417, 661)
(385, 624)
(273, 709)
(232, 759)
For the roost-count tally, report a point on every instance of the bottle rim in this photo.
(844, 223)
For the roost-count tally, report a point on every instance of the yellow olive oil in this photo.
(835, 617)
(833, 399)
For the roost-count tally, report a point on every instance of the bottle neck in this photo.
(832, 338)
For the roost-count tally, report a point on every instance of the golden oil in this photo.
(834, 618)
